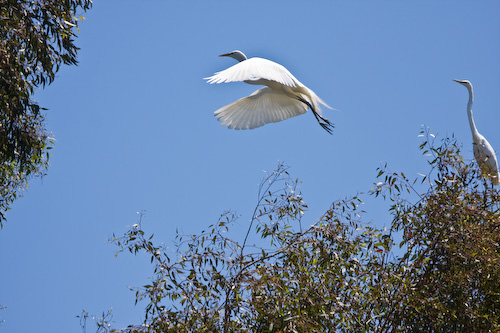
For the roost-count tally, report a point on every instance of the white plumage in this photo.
(254, 69)
(483, 152)
(283, 97)
(262, 107)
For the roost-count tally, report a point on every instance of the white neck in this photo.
(238, 55)
(473, 128)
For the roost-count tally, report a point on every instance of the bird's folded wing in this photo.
(262, 107)
(490, 169)
(485, 157)
(255, 69)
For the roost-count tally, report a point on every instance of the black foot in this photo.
(325, 123)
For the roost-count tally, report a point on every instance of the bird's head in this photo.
(238, 55)
(465, 83)
(468, 85)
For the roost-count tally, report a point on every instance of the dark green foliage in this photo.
(435, 268)
(452, 261)
(36, 37)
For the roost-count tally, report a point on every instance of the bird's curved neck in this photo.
(240, 57)
(473, 128)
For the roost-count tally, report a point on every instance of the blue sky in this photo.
(135, 130)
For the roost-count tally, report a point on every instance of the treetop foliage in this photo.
(36, 37)
(435, 267)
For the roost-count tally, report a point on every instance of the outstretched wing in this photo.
(256, 69)
(262, 107)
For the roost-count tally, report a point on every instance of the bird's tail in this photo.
(496, 179)
(316, 100)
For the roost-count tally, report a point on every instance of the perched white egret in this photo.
(283, 97)
(483, 152)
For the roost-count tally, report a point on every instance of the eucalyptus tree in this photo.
(36, 38)
(433, 264)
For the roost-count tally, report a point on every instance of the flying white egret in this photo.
(283, 97)
(483, 152)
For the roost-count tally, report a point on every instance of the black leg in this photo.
(325, 123)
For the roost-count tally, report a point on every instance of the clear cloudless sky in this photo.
(135, 130)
